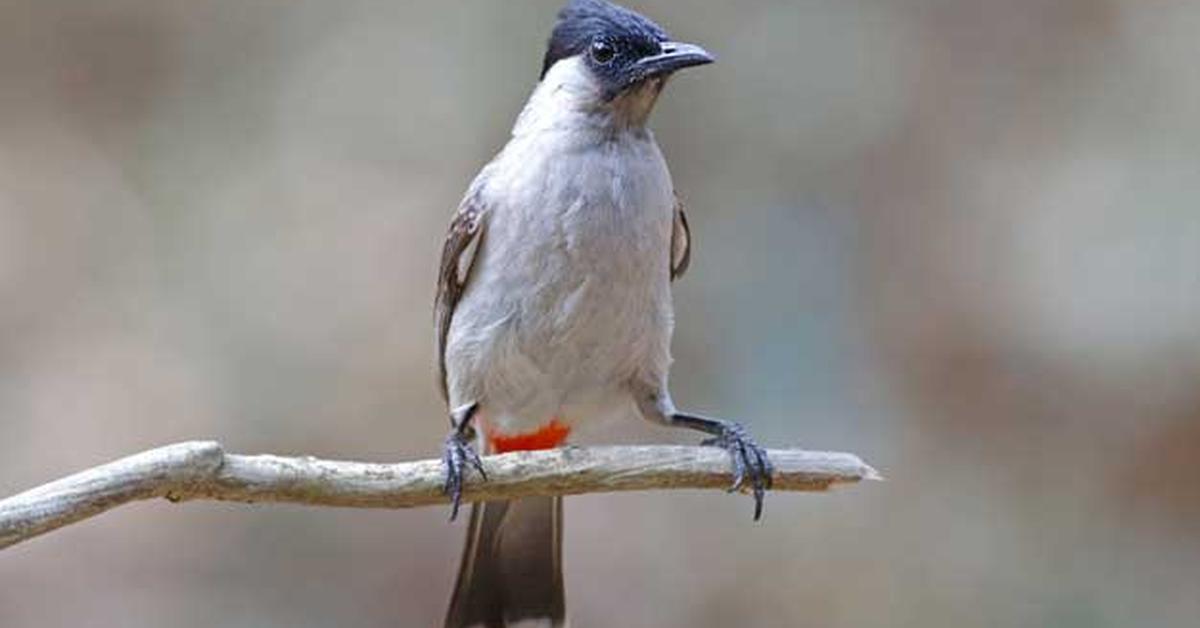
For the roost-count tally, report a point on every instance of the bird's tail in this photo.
(511, 566)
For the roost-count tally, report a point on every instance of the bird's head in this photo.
(614, 57)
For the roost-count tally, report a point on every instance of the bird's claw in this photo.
(457, 456)
(748, 460)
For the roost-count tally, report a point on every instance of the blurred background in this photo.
(959, 238)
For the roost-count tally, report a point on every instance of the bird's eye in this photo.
(602, 51)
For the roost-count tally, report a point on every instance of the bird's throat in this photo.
(632, 107)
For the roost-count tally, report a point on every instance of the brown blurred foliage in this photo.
(960, 238)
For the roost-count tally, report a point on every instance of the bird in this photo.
(554, 307)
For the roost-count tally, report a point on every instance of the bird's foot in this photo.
(750, 462)
(458, 456)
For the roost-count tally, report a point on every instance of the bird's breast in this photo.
(586, 230)
(572, 293)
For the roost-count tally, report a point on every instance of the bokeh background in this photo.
(960, 238)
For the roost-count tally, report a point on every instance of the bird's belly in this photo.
(557, 330)
(570, 297)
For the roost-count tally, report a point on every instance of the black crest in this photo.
(583, 24)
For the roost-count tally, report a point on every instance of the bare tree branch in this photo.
(202, 470)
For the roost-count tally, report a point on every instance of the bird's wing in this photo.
(681, 242)
(458, 259)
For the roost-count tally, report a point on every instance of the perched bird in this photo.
(554, 297)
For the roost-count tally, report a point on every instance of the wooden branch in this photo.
(202, 470)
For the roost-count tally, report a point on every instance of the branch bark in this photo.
(202, 470)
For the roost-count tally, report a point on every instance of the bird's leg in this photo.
(458, 454)
(750, 462)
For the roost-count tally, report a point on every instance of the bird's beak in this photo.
(674, 56)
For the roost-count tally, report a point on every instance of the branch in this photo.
(202, 470)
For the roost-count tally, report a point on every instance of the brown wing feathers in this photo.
(681, 242)
(458, 259)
